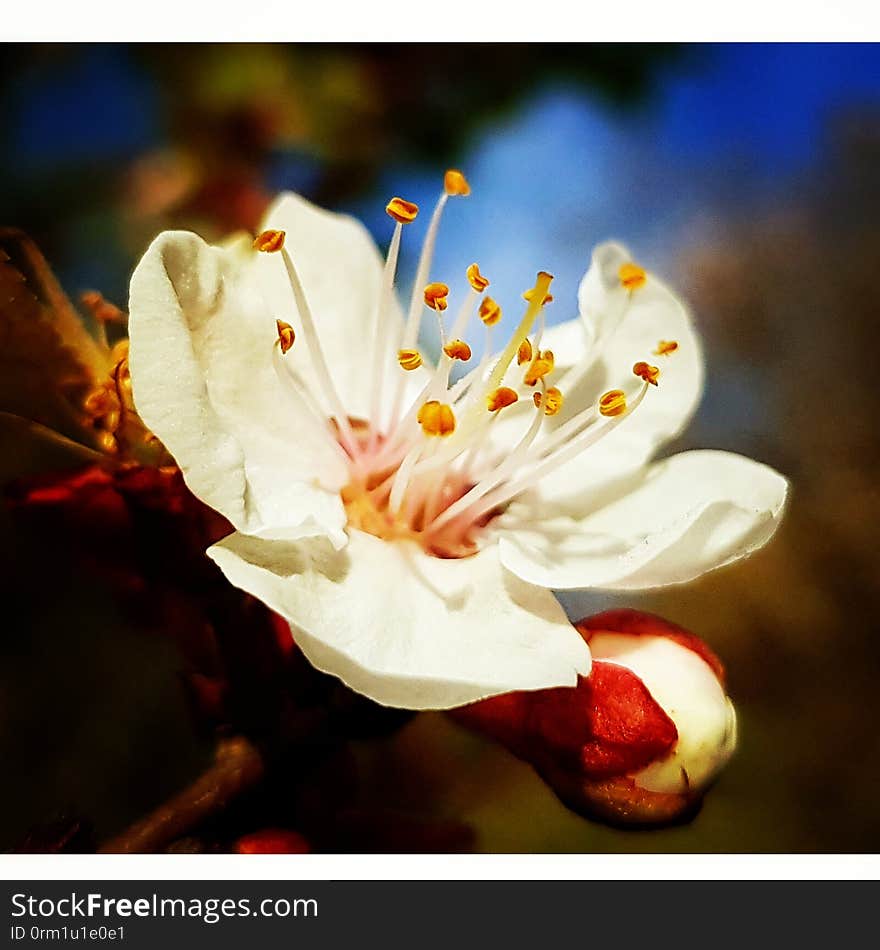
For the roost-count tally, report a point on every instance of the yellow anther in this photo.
(457, 350)
(454, 183)
(646, 372)
(524, 353)
(409, 359)
(666, 347)
(632, 276)
(529, 295)
(613, 403)
(542, 364)
(477, 280)
(500, 398)
(286, 336)
(269, 241)
(401, 210)
(551, 401)
(435, 296)
(490, 312)
(436, 418)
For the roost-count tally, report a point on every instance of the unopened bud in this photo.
(640, 740)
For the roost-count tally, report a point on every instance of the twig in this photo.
(238, 767)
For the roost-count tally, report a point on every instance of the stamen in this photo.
(436, 418)
(646, 372)
(666, 348)
(551, 401)
(571, 449)
(435, 296)
(313, 343)
(476, 279)
(490, 312)
(501, 398)
(613, 403)
(269, 241)
(403, 211)
(632, 276)
(409, 359)
(524, 353)
(454, 183)
(457, 350)
(542, 364)
(286, 336)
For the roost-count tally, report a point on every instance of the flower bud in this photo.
(637, 742)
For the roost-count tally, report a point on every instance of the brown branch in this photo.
(238, 767)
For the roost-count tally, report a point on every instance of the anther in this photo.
(613, 403)
(435, 296)
(524, 353)
(476, 279)
(286, 336)
(632, 276)
(529, 296)
(403, 211)
(454, 183)
(666, 348)
(542, 364)
(500, 398)
(436, 418)
(551, 401)
(646, 372)
(457, 350)
(409, 359)
(102, 310)
(269, 241)
(490, 312)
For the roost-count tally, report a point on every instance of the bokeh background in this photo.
(748, 175)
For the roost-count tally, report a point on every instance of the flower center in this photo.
(432, 464)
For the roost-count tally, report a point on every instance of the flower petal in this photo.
(407, 629)
(340, 269)
(677, 519)
(201, 362)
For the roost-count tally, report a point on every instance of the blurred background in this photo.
(747, 175)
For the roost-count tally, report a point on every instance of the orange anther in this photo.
(477, 280)
(647, 372)
(401, 210)
(436, 418)
(269, 241)
(286, 336)
(529, 295)
(454, 183)
(524, 353)
(666, 347)
(551, 401)
(632, 276)
(613, 403)
(457, 350)
(542, 364)
(500, 398)
(490, 312)
(409, 359)
(435, 296)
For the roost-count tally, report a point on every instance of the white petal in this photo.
(679, 518)
(407, 629)
(201, 362)
(341, 272)
(689, 692)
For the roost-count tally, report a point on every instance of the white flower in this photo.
(411, 529)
